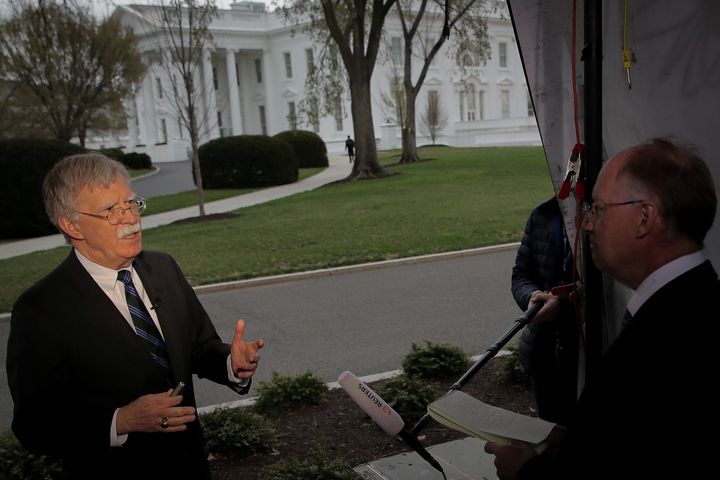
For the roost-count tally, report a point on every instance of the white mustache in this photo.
(126, 230)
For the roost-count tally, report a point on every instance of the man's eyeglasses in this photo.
(115, 215)
(592, 209)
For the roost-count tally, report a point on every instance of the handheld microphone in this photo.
(383, 414)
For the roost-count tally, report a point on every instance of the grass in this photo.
(457, 199)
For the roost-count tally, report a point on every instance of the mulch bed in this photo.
(339, 427)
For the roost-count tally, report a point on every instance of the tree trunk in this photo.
(366, 160)
(409, 140)
(196, 161)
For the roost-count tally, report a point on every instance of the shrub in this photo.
(512, 371)
(409, 396)
(317, 465)
(247, 161)
(308, 147)
(237, 431)
(435, 361)
(285, 392)
(16, 463)
(136, 161)
(24, 164)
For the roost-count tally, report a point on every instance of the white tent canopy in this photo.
(675, 85)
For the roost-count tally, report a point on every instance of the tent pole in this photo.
(594, 290)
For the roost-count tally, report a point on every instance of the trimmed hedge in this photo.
(247, 161)
(308, 146)
(24, 164)
(131, 160)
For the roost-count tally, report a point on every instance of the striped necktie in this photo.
(145, 326)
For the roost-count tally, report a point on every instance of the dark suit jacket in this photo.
(73, 359)
(645, 414)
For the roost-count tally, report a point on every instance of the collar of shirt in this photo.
(106, 278)
(661, 277)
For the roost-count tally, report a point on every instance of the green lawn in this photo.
(457, 199)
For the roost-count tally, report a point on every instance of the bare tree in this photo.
(355, 28)
(465, 18)
(70, 61)
(434, 118)
(181, 33)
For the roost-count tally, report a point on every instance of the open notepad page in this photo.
(467, 414)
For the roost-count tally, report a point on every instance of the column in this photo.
(211, 125)
(132, 123)
(269, 112)
(235, 118)
(150, 132)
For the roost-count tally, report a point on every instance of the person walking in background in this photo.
(642, 411)
(96, 346)
(350, 147)
(549, 344)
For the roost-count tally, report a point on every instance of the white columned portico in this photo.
(150, 130)
(235, 118)
(211, 125)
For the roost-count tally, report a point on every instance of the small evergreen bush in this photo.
(237, 431)
(247, 161)
(316, 465)
(512, 371)
(436, 361)
(308, 146)
(24, 164)
(16, 463)
(136, 161)
(409, 396)
(285, 392)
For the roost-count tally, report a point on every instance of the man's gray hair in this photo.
(70, 175)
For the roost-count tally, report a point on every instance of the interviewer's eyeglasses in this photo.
(115, 215)
(592, 209)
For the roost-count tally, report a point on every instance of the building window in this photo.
(505, 103)
(396, 50)
(292, 116)
(163, 131)
(258, 70)
(263, 123)
(215, 80)
(158, 82)
(180, 127)
(314, 115)
(471, 105)
(461, 103)
(237, 74)
(288, 65)
(502, 54)
(310, 59)
(530, 109)
(481, 105)
(219, 119)
(338, 115)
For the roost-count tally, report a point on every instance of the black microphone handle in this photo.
(413, 442)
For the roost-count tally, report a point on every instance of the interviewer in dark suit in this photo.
(645, 413)
(83, 383)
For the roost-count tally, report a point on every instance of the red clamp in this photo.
(571, 175)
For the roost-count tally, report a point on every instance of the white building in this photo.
(253, 80)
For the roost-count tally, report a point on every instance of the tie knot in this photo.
(124, 276)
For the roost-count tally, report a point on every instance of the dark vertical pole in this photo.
(592, 161)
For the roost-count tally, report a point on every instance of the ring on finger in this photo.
(164, 423)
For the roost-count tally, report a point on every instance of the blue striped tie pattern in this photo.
(145, 326)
